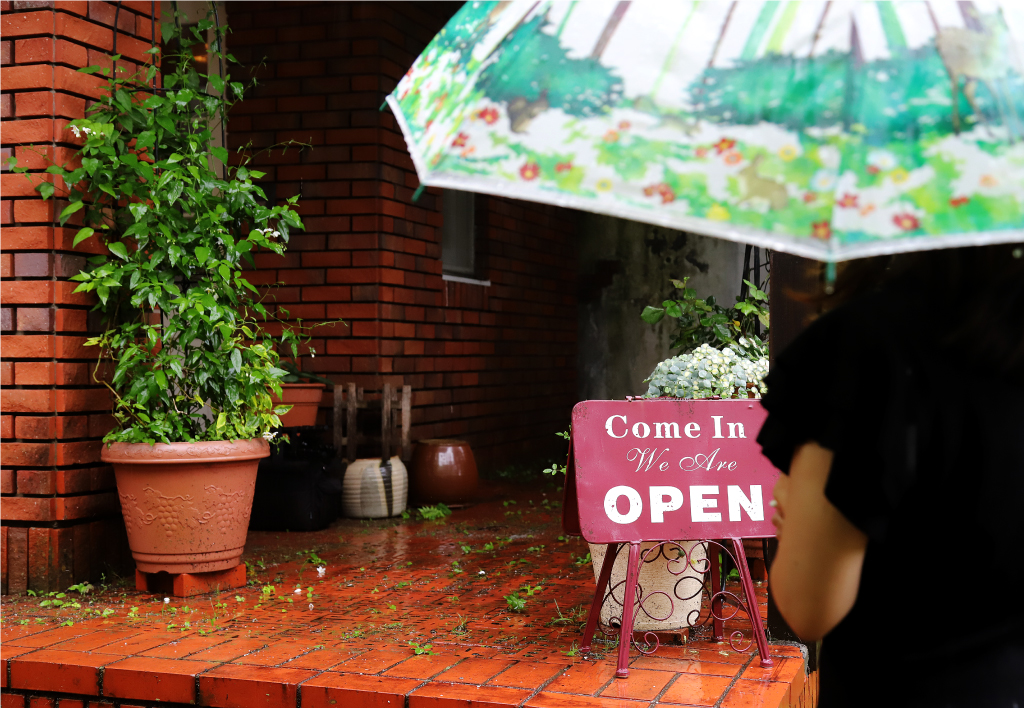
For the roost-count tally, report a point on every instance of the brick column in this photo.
(60, 515)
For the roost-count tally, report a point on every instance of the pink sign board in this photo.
(670, 469)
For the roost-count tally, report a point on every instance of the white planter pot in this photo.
(682, 584)
(368, 493)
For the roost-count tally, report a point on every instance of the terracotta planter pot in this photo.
(186, 505)
(443, 471)
(304, 399)
(369, 492)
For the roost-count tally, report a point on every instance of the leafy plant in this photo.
(515, 602)
(293, 338)
(707, 372)
(462, 627)
(704, 321)
(558, 468)
(418, 649)
(437, 512)
(573, 616)
(178, 221)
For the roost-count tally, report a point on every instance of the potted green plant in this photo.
(191, 371)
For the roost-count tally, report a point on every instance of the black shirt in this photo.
(928, 461)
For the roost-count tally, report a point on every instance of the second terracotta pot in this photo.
(443, 471)
(304, 398)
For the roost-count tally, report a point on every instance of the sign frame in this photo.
(600, 456)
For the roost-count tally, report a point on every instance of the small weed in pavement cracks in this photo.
(418, 648)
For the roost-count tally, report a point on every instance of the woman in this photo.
(899, 417)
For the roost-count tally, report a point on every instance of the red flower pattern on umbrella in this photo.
(700, 152)
(489, 115)
(563, 167)
(872, 170)
(624, 125)
(907, 222)
(809, 197)
(956, 202)
(662, 189)
(733, 158)
(460, 140)
(821, 230)
(612, 136)
(848, 201)
(529, 171)
(724, 145)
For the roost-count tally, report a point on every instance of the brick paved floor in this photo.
(350, 637)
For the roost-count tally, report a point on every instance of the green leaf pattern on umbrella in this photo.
(852, 144)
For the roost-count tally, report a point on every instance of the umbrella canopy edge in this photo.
(821, 251)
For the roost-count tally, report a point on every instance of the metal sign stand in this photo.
(633, 601)
(601, 469)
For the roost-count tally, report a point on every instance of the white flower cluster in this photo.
(77, 132)
(268, 232)
(706, 372)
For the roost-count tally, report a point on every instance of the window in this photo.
(458, 233)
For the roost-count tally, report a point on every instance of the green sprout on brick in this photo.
(515, 602)
(425, 649)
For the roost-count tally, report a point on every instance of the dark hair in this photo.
(971, 297)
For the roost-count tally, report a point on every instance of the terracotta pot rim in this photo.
(441, 441)
(193, 452)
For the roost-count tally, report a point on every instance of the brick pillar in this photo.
(60, 515)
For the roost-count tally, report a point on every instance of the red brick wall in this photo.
(61, 521)
(493, 365)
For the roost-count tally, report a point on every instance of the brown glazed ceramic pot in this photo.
(304, 398)
(443, 471)
(186, 505)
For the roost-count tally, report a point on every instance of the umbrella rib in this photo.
(817, 30)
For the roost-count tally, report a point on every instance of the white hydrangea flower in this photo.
(707, 372)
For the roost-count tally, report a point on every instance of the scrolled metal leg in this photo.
(756, 625)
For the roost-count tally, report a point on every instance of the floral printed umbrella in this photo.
(826, 129)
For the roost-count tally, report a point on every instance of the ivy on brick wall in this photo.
(179, 219)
